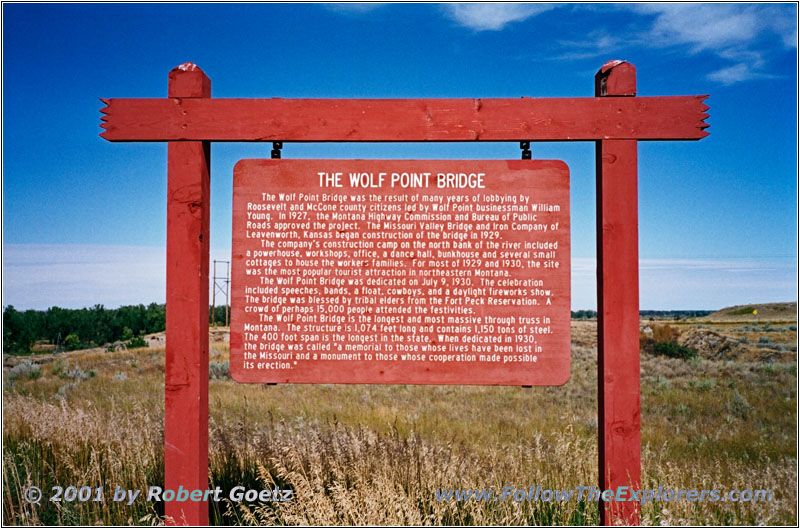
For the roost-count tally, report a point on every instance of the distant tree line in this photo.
(71, 329)
(646, 314)
(673, 314)
(79, 328)
(94, 327)
(218, 316)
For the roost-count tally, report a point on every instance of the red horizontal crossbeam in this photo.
(405, 120)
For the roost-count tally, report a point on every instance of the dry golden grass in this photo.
(361, 455)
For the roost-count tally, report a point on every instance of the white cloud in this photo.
(735, 74)
(704, 26)
(747, 36)
(596, 43)
(736, 32)
(483, 17)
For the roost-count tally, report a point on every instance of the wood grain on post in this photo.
(186, 385)
(618, 307)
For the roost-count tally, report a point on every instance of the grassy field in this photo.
(376, 454)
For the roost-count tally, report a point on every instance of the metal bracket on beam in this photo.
(276, 150)
(526, 149)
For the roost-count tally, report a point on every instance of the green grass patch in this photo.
(741, 312)
(673, 350)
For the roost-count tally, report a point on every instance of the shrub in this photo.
(663, 341)
(739, 406)
(57, 368)
(72, 342)
(665, 333)
(25, 368)
(703, 384)
(219, 370)
(139, 341)
(76, 374)
(62, 391)
(673, 350)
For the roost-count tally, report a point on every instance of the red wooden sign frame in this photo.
(189, 119)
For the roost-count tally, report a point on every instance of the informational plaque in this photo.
(401, 272)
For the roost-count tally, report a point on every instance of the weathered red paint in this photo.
(541, 119)
(186, 373)
(621, 83)
(542, 181)
(618, 308)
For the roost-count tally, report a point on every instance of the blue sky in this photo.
(84, 220)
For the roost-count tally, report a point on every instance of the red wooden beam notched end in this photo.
(703, 115)
(404, 120)
(105, 111)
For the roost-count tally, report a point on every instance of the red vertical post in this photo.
(618, 307)
(186, 385)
